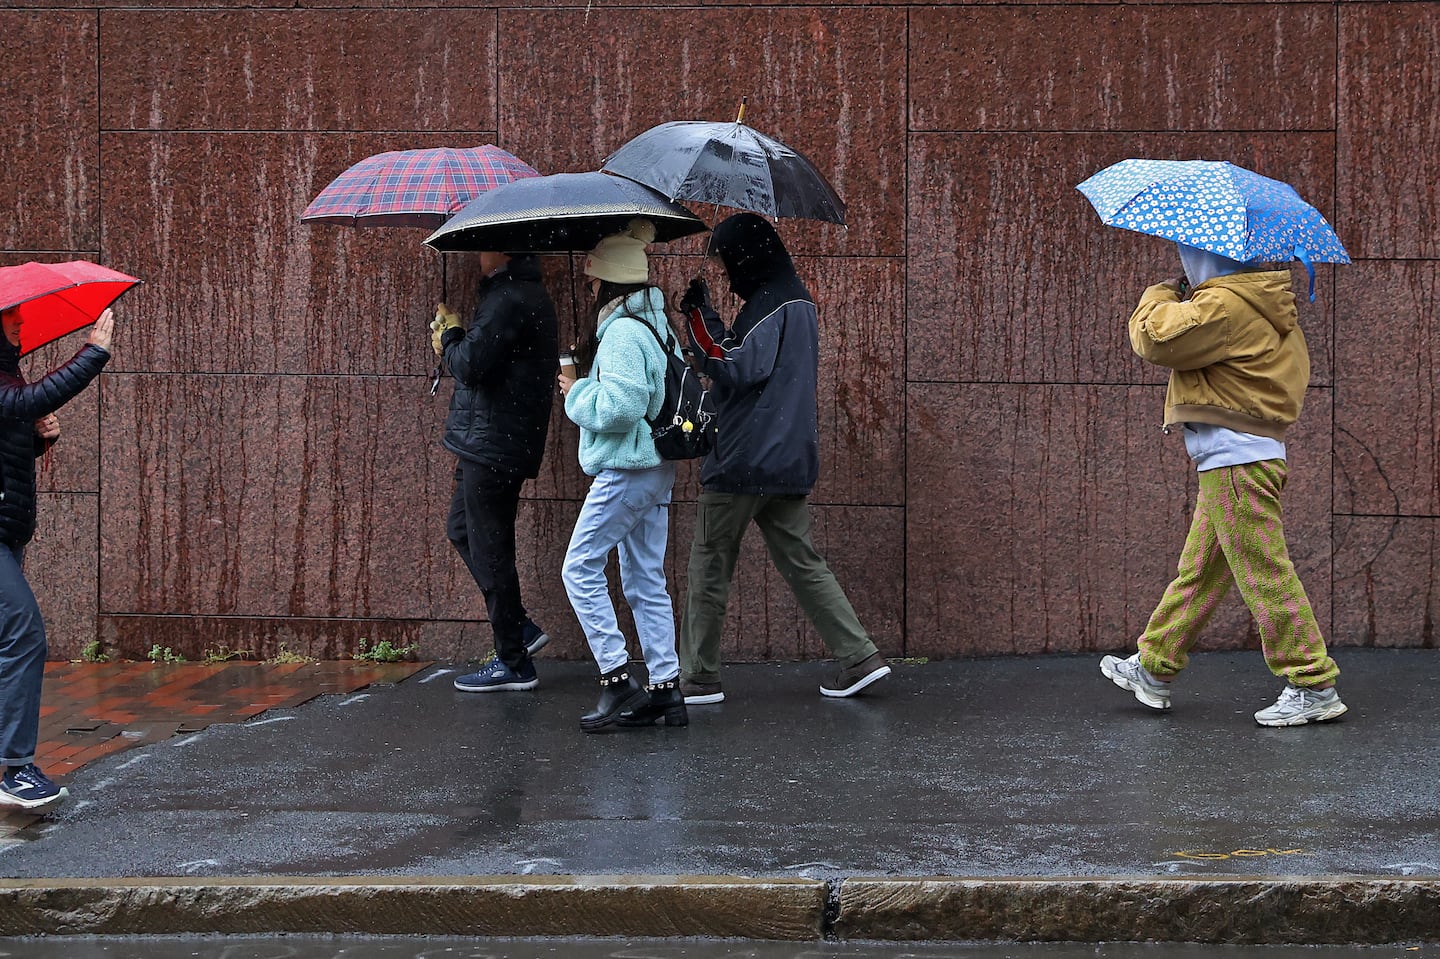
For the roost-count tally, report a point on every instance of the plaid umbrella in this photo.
(54, 299)
(414, 187)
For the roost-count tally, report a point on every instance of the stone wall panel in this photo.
(1071, 67)
(1387, 581)
(406, 69)
(1387, 411)
(1388, 127)
(1013, 278)
(50, 192)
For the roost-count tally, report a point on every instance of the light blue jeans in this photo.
(628, 510)
(22, 661)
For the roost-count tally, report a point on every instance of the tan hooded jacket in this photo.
(1235, 351)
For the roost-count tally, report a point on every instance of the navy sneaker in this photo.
(535, 638)
(496, 677)
(28, 788)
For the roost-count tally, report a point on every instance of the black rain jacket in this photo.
(504, 368)
(21, 404)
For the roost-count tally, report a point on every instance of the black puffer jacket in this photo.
(504, 368)
(763, 370)
(21, 404)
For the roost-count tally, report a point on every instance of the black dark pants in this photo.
(482, 529)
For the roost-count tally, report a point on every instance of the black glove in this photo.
(697, 296)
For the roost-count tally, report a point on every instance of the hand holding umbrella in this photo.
(103, 330)
(45, 301)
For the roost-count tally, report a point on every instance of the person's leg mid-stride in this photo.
(784, 521)
(720, 523)
(1237, 535)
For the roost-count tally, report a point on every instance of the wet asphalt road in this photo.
(305, 947)
(1025, 767)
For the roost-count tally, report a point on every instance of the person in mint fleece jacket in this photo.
(628, 506)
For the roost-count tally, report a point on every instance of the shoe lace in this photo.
(32, 776)
(1292, 696)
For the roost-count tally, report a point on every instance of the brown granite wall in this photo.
(260, 464)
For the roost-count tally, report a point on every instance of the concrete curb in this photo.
(1361, 911)
(1300, 911)
(631, 906)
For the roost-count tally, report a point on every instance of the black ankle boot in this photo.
(618, 691)
(666, 701)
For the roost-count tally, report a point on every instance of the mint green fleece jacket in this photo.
(626, 384)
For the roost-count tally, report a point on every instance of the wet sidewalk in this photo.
(1021, 778)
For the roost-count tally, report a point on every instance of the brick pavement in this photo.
(90, 710)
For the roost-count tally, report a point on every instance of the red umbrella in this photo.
(54, 299)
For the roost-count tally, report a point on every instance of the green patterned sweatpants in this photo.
(1237, 536)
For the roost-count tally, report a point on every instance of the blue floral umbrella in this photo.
(1216, 206)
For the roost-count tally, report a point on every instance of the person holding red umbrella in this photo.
(28, 427)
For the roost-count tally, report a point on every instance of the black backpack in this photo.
(684, 428)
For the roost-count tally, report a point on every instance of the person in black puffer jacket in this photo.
(504, 369)
(28, 427)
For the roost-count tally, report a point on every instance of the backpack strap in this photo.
(666, 345)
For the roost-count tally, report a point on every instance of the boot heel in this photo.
(677, 716)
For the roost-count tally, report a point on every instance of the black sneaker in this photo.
(701, 694)
(26, 787)
(535, 637)
(851, 680)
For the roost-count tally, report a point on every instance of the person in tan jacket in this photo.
(1238, 371)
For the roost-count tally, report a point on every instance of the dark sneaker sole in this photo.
(704, 699)
(858, 685)
(499, 687)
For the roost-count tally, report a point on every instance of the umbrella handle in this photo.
(1303, 255)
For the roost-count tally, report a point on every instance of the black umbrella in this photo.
(560, 213)
(727, 164)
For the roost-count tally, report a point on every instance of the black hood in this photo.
(751, 251)
(523, 266)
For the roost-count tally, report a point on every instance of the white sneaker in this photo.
(1297, 706)
(1129, 674)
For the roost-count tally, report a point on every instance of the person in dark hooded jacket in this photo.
(765, 459)
(28, 427)
(504, 370)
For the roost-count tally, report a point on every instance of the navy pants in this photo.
(22, 661)
(482, 530)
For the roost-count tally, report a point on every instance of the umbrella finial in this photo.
(740, 117)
